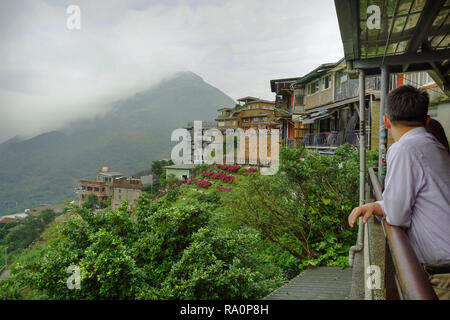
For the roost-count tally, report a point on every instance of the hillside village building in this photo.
(126, 189)
(101, 185)
(325, 105)
(182, 172)
(116, 186)
(250, 112)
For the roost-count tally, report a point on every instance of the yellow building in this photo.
(251, 112)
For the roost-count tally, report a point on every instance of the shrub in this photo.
(203, 184)
(229, 168)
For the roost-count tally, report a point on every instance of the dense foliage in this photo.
(237, 240)
(304, 208)
(163, 252)
(158, 166)
(18, 235)
(94, 202)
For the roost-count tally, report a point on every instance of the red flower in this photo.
(228, 167)
(203, 184)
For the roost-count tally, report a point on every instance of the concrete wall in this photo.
(178, 173)
(320, 98)
(121, 194)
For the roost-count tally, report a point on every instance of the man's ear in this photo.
(387, 123)
(427, 122)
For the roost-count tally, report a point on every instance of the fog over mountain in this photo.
(135, 131)
(51, 76)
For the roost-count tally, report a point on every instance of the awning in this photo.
(332, 106)
(411, 36)
(311, 120)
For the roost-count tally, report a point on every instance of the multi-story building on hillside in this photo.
(326, 105)
(126, 189)
(250, 112)
(101, 185)
(326, 113)
(285, 101)
(116, 186)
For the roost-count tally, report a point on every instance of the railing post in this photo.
(362, 144)
(383, 132)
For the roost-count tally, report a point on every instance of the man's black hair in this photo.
(408, 106)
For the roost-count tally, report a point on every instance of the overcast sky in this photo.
(50, 75)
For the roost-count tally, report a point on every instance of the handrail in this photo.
(411, 280)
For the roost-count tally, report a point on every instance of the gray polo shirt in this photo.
(417, 193)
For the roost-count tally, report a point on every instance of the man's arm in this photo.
(403, 180)
(366, 211)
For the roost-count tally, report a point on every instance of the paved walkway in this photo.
(321, 283)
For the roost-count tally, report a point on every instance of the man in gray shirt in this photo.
(417, 187)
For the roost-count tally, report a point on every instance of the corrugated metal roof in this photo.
(406, 35)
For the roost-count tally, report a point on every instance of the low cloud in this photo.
(51, 76)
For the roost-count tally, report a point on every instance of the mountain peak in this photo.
(184, 76)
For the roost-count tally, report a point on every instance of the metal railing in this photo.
(330, 139)
(355, 138)
(321, 139)
(405, 277)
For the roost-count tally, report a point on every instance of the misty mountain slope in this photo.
(135, 132)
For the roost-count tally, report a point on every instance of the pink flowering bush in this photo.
(203, 184)
(219, 176)
(251, 170)
(228, 167)
(190, 181)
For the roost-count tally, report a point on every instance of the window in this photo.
(299, 100)
(313, 87)
(221, 124)
(326, 82)
(96, 189)
(89, 188)
(103, 189)
(264, 119)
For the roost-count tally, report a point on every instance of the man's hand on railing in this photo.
(366, 211)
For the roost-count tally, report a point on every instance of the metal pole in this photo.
(362, 137)
(362, 165)
(383, 132)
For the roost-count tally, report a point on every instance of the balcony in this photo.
(299, 109)
(331, 139)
